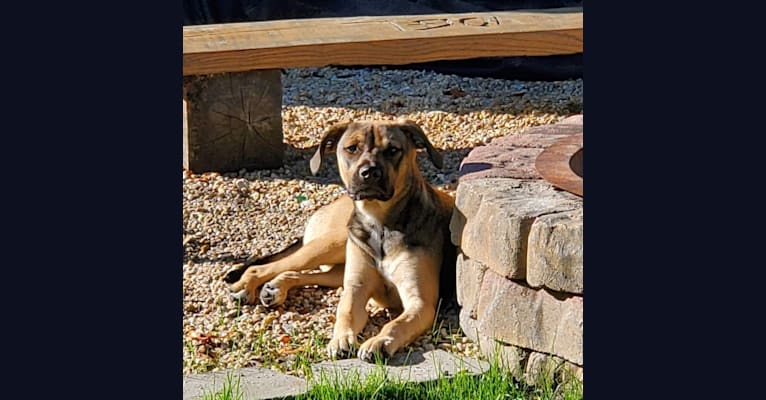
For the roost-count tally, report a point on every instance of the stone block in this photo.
(511, 357)
(468, 199)
(469, 276)
(541, 368)
(234, 121)
(555, 252)
(569, 371)
(469, 325)
(533, 319)
(493, 217)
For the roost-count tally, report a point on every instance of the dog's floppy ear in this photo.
(328, 144)
(419, 138)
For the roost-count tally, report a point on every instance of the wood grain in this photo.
(234, 121)
(379, 40)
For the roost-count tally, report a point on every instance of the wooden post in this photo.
(234, 121)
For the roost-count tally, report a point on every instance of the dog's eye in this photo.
(351, 149)
(391, 151)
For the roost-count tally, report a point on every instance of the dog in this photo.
(387, 242)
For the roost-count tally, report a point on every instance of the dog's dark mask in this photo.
(370, 154)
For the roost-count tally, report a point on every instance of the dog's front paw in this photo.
(241, 296)
(342, 346)
(376, 348)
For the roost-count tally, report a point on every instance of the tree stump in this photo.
(234, 121)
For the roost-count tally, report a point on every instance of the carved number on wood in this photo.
(435, 23)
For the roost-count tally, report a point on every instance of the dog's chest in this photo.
(380, 243)
(385, 243)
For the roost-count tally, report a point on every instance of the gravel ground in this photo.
(230, 217)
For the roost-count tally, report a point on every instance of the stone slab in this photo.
(555, 252)
(493, 217)
(500, 162)
(255, 383)
(514, 156)
(572, 119)
(561, 128)
(233, 121)
(530, 318)
(413, 367)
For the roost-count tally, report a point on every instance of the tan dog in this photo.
(391, 232)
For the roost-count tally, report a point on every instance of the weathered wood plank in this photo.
(391, 40)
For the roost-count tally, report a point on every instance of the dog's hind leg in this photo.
(274, 292)
(324, 243)
(327, 250)
(236, 271)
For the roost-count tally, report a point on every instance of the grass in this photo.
(495, 384)
(230, 390)
(313, 352)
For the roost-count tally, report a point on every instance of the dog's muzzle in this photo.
(369, 184)
(370, 173)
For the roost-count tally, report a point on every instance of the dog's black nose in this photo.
(370, 173)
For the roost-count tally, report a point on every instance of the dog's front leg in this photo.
(418, 289)
(359, 280)
(398, 333)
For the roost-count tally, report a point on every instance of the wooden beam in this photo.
(384, 40)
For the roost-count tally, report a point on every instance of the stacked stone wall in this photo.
(520, 269)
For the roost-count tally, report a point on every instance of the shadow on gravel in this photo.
(365, 88)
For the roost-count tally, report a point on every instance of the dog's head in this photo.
(375, 157)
